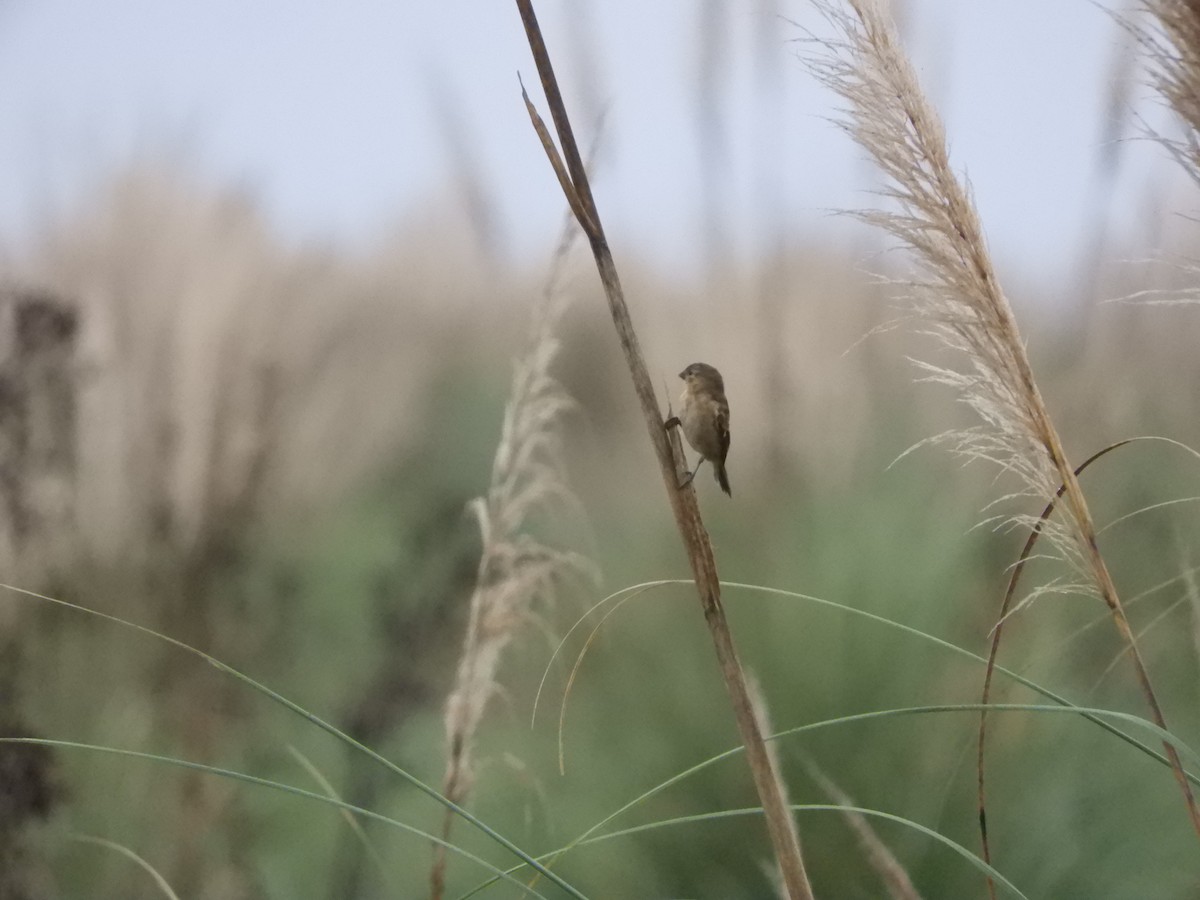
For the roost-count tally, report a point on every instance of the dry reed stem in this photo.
(960, 299)
(574, 182)
(517, 572)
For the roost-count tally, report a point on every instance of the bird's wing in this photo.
(722, 422)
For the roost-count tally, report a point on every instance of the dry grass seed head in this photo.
(519, 574)
(1169, 33)
(954, 291)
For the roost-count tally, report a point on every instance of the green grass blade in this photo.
(352, 823)
(321, 724)
(159, 881)
(1086, 713)
(822, 807)
(1095, 716)
(277, 786)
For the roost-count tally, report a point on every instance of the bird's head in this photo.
(702, 375)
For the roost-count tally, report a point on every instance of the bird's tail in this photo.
(722, 479)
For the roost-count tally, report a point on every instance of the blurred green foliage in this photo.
(361, 613)
(337, 563)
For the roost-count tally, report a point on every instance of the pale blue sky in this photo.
(329, 112)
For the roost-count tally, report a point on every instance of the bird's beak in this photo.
(683, 375)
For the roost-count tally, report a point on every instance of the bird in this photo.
(704, 417)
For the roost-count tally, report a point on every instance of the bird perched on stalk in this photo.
(704, 417)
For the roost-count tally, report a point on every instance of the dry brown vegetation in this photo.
(217, 401)
(240, 397)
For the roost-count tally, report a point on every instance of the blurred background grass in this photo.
(317, 539)
(275, 446)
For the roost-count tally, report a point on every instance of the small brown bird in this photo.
(704, 416)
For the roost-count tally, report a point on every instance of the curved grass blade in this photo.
(160, 882)
(562, 710)
(320, 723)
(635, 589)
(958, 848)
(354, 825)
(275, 785)
(1010, 592)
(1090, 714)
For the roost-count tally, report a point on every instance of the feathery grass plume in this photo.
(518, 573)
(1169, 32)
(956, 292)
(959, 299)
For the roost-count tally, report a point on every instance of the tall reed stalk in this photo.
(960, 302)
(572, 178)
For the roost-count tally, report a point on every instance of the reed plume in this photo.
(955, 292)
(518, 573)
(958, 299)
(1169, 33)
